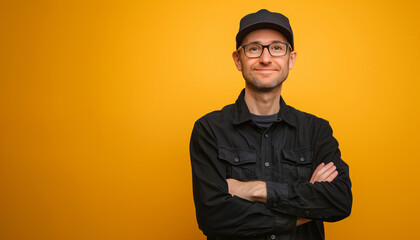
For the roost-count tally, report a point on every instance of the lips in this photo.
(265, 70)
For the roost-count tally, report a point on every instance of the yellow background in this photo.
(98, 100)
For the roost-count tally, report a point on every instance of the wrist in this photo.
(259, 193)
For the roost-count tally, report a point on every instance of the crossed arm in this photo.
(256, 191)
(227, 207)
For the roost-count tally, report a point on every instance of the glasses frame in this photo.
(265, 46)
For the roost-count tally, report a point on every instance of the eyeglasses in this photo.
(255, 50)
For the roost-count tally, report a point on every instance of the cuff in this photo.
(277, 194)
(285, 223)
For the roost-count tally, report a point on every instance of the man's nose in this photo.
(265, 57)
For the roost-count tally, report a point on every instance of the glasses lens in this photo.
(278, 49)
(253, 50)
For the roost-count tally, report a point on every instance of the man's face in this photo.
(265, 72)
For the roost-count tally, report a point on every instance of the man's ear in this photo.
(235, 56)
(292, 59)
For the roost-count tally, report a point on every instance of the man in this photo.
(262, 169)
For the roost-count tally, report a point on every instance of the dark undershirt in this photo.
(264, 121)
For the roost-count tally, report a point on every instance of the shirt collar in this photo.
(242, 113)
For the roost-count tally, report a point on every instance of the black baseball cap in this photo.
(264, 19)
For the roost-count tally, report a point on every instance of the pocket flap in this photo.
(297, 156)
(237, 156)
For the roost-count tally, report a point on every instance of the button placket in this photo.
(266, 155)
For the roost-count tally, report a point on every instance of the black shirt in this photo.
(264, 121)
(228, 144)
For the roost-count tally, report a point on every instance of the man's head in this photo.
(264, 19)
(264, 50)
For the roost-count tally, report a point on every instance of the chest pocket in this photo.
(240, 164)
(296, 165)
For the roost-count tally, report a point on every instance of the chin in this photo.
(264, 84)
(264, 87)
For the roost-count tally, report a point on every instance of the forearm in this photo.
(221, 215)
(254, 191)
(327, 201)
(238, 218)
(321, 200)
(218, 213)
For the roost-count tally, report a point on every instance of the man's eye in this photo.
(253, 49)
(277, 48)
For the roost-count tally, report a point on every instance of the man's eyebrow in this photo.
(275, 41)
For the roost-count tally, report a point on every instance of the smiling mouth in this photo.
(265, 70)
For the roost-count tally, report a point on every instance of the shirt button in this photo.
(267, 164)
(273, 236)
(274, 204)
(307, 213)
(266, 135)
(302, 159)
(236, 159)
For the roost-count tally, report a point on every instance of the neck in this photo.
(263, 102)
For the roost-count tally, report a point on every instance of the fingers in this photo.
(321, 169)
(324, 176)
(324, 173)
(332, 176)
(320, 166)
(325, 169)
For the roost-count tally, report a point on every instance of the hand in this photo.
(301, 221)
(324, 173)
(254, 191)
